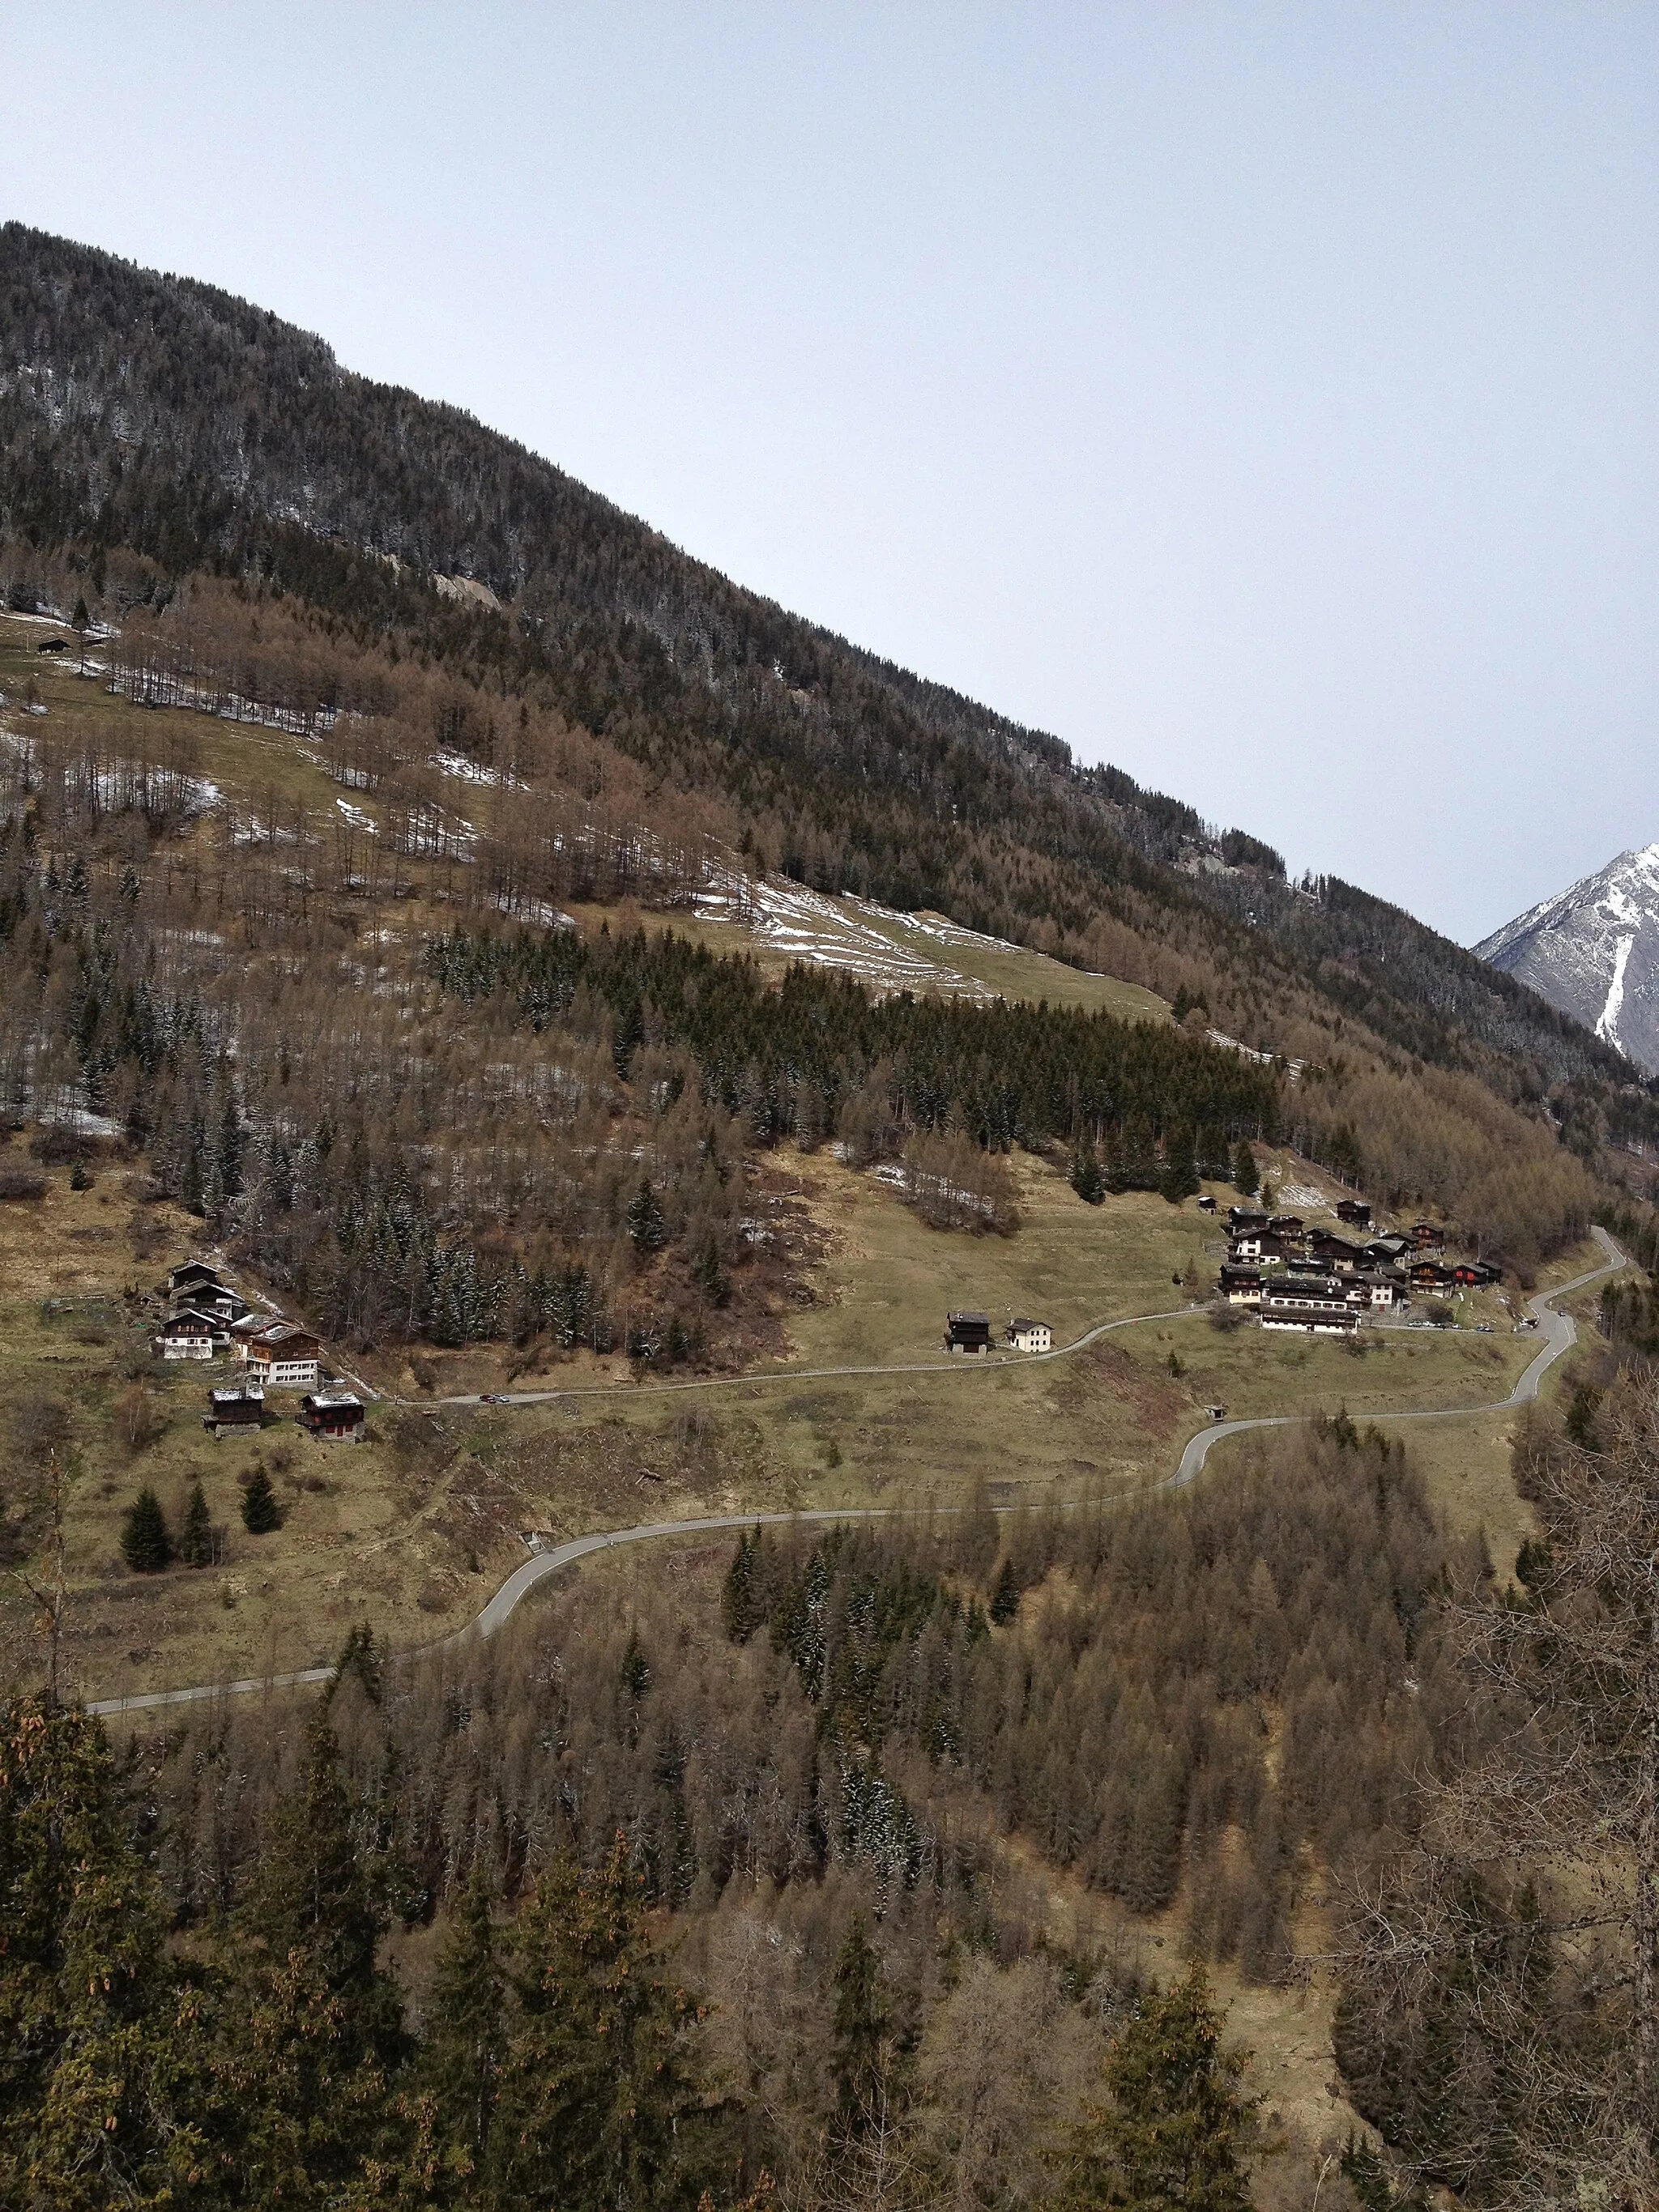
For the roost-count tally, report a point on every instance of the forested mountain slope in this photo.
(158, 417)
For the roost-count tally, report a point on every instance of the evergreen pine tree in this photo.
(742, 1605)
(710, 1277)
(1178, 2129)
(646, 1225)
(1214, 1161)
(465, 2036)
(1114, 1171)
(196, 1543)
(1088, 1180)
(1004, 1598)
(861, 2049)
(104, 2094)
(359, 1657)
(145, 1544)
(316, 2026)
(1140, 1167)
(1180, 1177)
(260, 1512)
(1369, 2178)
(1247, 1177)
(600, 2108)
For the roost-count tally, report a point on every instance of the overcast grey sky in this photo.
(1260, 398)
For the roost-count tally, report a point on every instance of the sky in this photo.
(1259, 398)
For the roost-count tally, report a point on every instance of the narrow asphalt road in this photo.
(961, 1366)
(1558, 1335)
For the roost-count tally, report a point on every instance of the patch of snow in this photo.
(357, 819)
(537, 910)
(470, 771)
(1607, 1026)
(466, 588)
(1294, 1067)
(86, 1123)
(1301, 1193)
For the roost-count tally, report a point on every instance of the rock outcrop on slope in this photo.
(1593, 952)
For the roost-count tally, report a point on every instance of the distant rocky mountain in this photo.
(1593, 952)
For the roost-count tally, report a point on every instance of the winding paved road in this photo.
(957, 1366)
(1558, 1334)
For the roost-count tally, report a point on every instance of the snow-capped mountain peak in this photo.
(1593, 952)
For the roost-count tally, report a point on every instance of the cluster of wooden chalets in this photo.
(1324, 1283)
(205, 1318)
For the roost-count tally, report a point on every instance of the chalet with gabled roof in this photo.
(203, 1289)
(1383, 1251)
(1334, 1251)
(282, 1355)
(191, 1334)
(1355, 1212)
(231, 1410)
(1025, 1335)
(967, 1332)
(335, 1416)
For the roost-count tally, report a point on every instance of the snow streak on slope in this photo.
(1593, 952)
(1607, 1025)
(849, 932)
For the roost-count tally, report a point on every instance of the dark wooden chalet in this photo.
(1245, 1217)
(1383, 1251)
(1355, 1211)
(1334, 1251)
(1260, 1244)
(230, 1410)
(335, 1415)
(1425, 1235)
(967, 1332)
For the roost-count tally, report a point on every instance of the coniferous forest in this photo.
(733, 1881)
